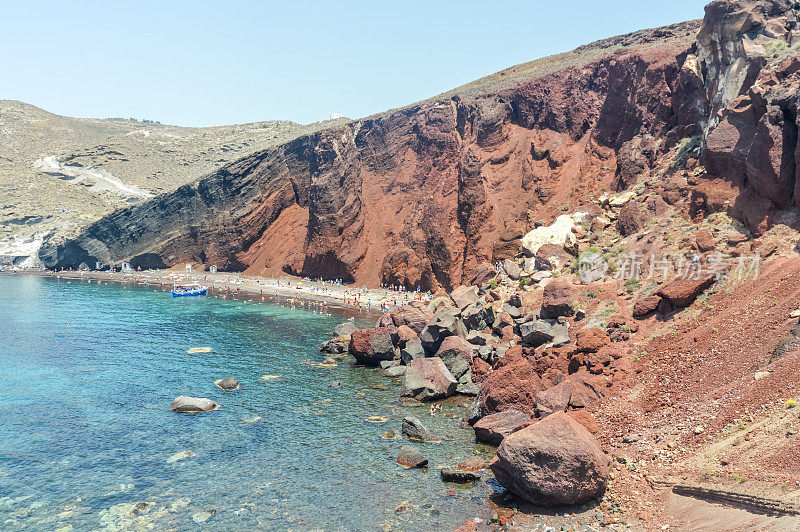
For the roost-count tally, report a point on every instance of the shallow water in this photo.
(86, 435)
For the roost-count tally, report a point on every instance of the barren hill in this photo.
(59, 174)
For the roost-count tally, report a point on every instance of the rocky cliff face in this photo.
(427, 194)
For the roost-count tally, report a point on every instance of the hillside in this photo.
(59, 174)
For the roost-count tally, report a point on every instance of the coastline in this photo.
(292, 291)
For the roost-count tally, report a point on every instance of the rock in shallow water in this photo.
(228, 384)
(410, 457)
(415, 430)
(552, 462)
(461, 477)
(185, 404)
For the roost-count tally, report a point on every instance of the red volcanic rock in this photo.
(586, 419)
(553, 462)
(405, 333)
(493, 428)
(704, 240)
(513, 386)
(428, 379)
(645, 306)
(480, 369)
(514, 353)
(591, 339)
(632, 218)
(555, 399)
(683, 292)
(370, 346)
(558, 299)
(414, 315)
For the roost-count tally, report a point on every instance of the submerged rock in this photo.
(555, 461)
(228, 384)
(473, 463)
(460, 477)
(410, 457)
(183, 455)
(184, 404)
(415, 430)
(345, 329)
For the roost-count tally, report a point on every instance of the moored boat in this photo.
(188, 290)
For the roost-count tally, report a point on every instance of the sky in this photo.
(201, 63)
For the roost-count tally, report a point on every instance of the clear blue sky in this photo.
(201, 63)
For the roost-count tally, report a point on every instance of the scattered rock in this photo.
(459, 477)
(456, 353)
(414, 315)
(704, 240)
(428, 379)
(683, 292)
(591, 339)
(445, 323)
(416, 431)
(494, 427)
(645, 306)
(473, 463)
(410, 457)
(551, 257)
(558, 299)
(203, 516)
(512, 269)
(555, 461)
(464, 296)
(228, 384)
(412, 350)
(184, 404)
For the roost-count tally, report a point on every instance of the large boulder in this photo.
(558, 299)
(512, 269)
(463, 296)
(559, 233)
(414, 315)
(184, 404)
(335, 346)
(444, 323)
(412, 350)
(345, 329)
(478, 316)
(370, 346)
(512, 386)
(551, 257)
(457, 354)
(591, 339)
(536, 333)
(645, 306)
(494, 427)
(683, 292)
(553, 462)
(428, 379)
(415, 430)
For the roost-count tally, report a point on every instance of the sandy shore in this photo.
(324, 296)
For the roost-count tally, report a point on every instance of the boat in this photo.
(188, 290)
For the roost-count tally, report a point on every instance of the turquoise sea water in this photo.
(86, 433)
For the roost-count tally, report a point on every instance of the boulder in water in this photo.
(415, 430)
(459, 477)
(228, 384)
(184, 404)
(410, 457)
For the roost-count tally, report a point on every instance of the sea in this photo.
(87, 440)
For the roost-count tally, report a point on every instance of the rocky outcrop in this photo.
(555, 461)
(493, 428)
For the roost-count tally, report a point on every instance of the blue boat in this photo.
(188, 290)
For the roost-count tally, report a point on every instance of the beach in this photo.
(292, 291)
